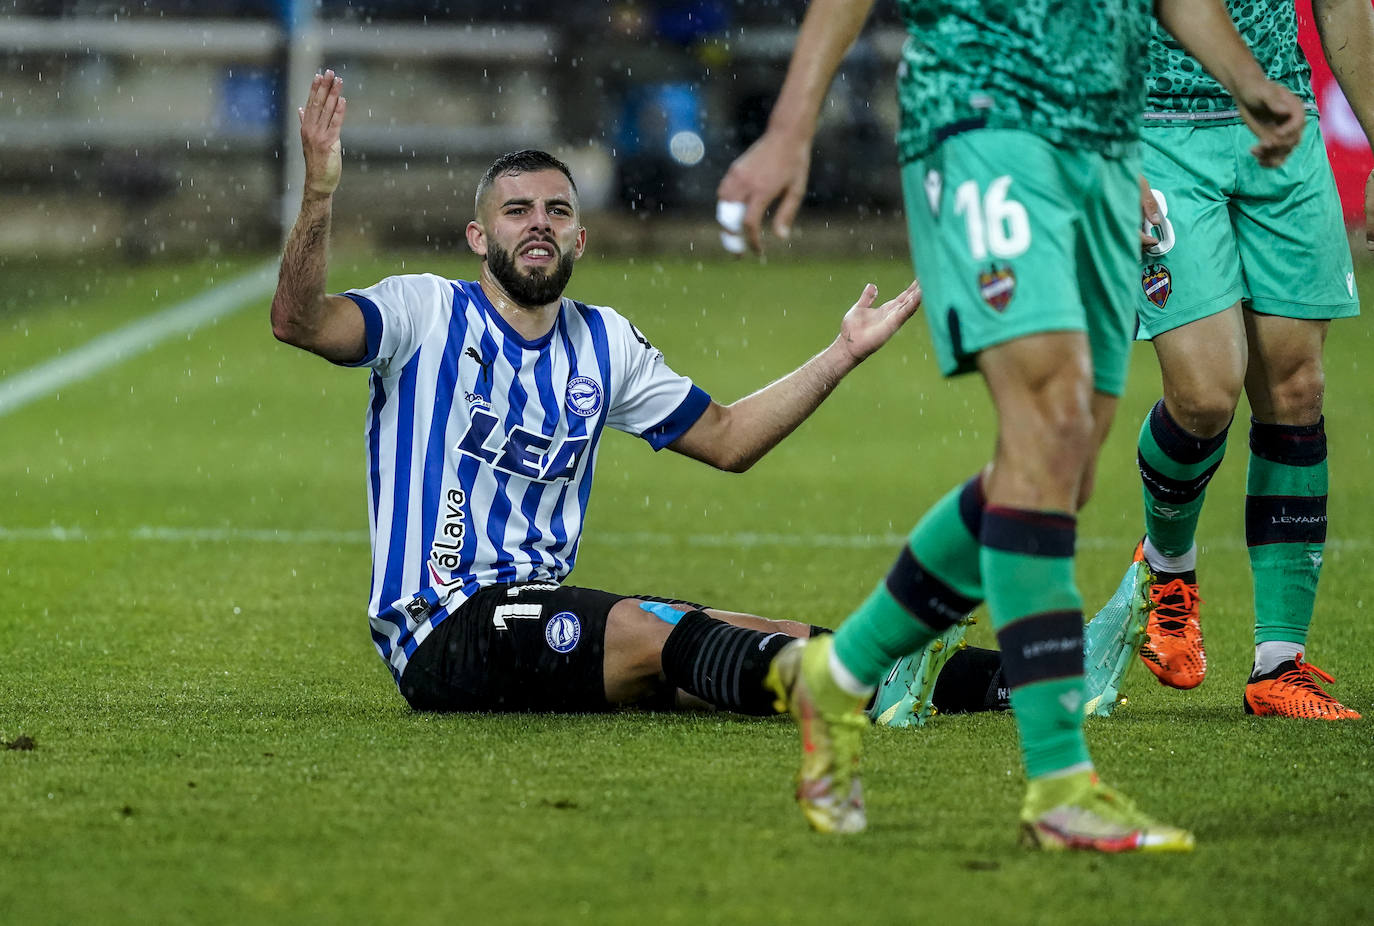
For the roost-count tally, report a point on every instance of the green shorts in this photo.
(1233, 230)
(1012, 236)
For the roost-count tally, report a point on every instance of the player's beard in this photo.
(534, 287)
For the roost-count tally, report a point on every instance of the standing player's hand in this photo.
(865, 328)
(321, 122)
(775, 166)
(1276, 116)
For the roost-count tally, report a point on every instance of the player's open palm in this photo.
(866, 327)
(321, 122)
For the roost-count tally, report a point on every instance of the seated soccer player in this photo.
(489, 399)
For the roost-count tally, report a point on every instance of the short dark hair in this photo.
(524, 161)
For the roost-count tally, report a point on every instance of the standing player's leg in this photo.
(1285, 512)
(1047, 439)
(1066, 806)
(933, 585)
(1300, 276)
(1189, 304)
(1041, 387)
(1181, 445)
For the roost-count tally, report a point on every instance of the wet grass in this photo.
(199, 730)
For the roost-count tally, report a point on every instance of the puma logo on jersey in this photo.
(484, 364)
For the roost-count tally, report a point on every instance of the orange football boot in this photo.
(1291, 691)
(1173, 648)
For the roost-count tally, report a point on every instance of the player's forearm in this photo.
(760, 421)
(827, 31)
(1346, 28)
(299, 304)
(1205, 29)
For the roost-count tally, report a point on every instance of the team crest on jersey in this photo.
(584, 396)
(562, 632)
(996, 285)
(1157, 284)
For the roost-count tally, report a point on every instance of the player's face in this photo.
(531, 235)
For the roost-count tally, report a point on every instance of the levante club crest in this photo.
(1157, 283)
(996, 285)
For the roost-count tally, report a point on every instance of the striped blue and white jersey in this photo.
(481, 444)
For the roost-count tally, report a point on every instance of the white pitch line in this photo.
(745, 540)
(134, 338)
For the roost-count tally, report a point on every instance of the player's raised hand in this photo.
(866, 328)
(321, 122)
(774, 169)
(1276, 116)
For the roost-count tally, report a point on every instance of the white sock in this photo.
(1185, 562)
(1268, 656)
(847, 680)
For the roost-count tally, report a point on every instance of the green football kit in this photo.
(1272, 239)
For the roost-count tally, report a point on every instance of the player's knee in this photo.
(1062, 432)
(1204, 411)
(1045, 455)
(635, 636)
(1297, 399)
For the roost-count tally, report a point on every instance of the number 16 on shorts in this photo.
(997, 225)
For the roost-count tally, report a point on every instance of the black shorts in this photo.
(524, 647)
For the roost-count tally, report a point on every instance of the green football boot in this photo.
(832, 724)
(1112, 640)
(905, 698)
(1079, 812)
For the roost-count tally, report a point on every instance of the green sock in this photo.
(945, 541)
(1028, 575)
(1285, 526)
(933, 584)
(1175, 467)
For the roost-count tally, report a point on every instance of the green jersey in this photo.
(1179, 88)
(1067, 70)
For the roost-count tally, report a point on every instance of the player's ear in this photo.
(581, 244)
(477, 238)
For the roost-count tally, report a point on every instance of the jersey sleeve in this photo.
(397, 312)
(650, 399)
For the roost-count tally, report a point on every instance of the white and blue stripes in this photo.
(481, 444)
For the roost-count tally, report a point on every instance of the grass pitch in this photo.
(200, 731)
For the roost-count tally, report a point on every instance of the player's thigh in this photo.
(1195, 269)
(1202, 364)
(1291, 235)
(521, 647)
(991, 241)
